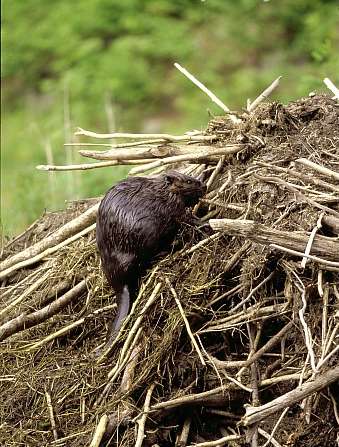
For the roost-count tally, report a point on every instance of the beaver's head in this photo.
(188, 188)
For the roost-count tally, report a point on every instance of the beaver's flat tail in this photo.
(123, 299)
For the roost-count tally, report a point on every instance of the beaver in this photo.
(137, 222)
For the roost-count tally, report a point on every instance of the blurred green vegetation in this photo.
(108, 65)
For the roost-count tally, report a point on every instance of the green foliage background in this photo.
(108, 65)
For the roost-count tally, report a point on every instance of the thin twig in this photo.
(299, 253)
(238, 383)
(324, 320)
(120, 145)
(215, 173)
(264, 94)
(188, 328)
(253, 313)
(252, 292)
(329, 84)
(256, 356)
(274, 442)
(25, 294)
(202, 243)
(142, 421)
(223, 413)
(289, 186)
(20, 235)
(226, 206)
(202, 87)
(161, 136)
(87, 166)
(97, 144)
(20, 285)
(307, 332)
(51, 415)
(330, 337)
(335, 407)
(233, 291)
(252, 433)
(62, 441)
(310, 240)
(304, 177)
(67, 328)
(127, 380)
(320, 283)
(218, 442)
(219, 392)
(123, 361)
(275, 427)
(327, 358)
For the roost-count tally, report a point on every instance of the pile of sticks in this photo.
(232, 339)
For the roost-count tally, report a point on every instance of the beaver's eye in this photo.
(189, 182)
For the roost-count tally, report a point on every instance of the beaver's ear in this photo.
(170, 177)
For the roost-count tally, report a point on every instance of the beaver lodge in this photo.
(233, 339)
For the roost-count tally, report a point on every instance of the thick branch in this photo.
(24, 321)
(44, 254)
(256, 414)
(199, 153)
(326, 247)
(140, 153)
(318, 168)
(74, 226)
(99, 431)
(142, 421)
(216, 395)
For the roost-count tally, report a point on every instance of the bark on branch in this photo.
(140, 153)
(325, 247)
(256, 414)
(74, 226)
(24, 321)
(200, 153)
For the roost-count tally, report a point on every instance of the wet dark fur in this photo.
(137, 220)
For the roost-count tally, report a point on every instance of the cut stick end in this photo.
(42, 168)
(79, 131)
